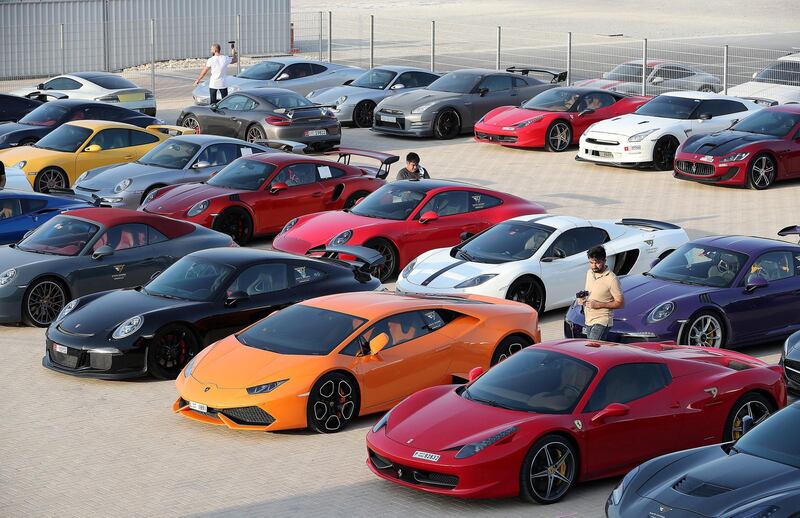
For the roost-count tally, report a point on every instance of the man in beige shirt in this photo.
(604, 295)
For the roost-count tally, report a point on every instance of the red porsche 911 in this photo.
(404, 219)
(554, 119)
(568, 411)
(258, 194)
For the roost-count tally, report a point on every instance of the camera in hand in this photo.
(232, 43)
(582, 294)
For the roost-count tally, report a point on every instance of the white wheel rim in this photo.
(706, 331)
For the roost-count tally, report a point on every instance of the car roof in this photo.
(243, 257)
(375, 304)
(16, 193)
(703, 95)
(262, 93)
(399, 69)
(281, 159)
(76, 102)
(90, 75)
(552, 220)
(745, 244)
(790, 57)
(787, 108)
(431, 184)
(581, 90)
(171, 228)
(650, 62)
(206, 138)
(99, 124)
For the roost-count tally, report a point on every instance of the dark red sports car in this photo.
(756, 152)
(568, 411)
(554, 119)
(404, 219)
(258, 194)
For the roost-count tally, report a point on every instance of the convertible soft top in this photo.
(172, 228)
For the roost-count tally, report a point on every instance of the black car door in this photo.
(224, 118)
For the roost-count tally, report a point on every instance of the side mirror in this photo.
(465, 235)
(428, 217)
(587, 111)
(747, 424)
(612, 410)
(705, 116)
(657, 80)
(559, 253)
(377, 344)
(475, 373)
(201, 165)
(40, 86)
(213, 107)
(359, 201)
(235, 298)
(754, 74)
(278, 187)
(103, 251)
(605, 75)
(397, 86)
(282, 77)
(94, 148)
(755, 282)
(483, 91)
(655, 262)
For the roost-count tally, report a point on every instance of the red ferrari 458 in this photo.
(569, 411)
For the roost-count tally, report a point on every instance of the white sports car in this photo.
(539, 259)
(653, 133)
(779, 83)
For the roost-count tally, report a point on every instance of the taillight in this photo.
(274, 120)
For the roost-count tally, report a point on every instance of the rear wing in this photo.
(761, 101)
(290, 112)
(558, 76)
(648, 223)
(287, 146)
(69, 193)
(171, 130)
(365, 258)
(386, 160)
(792, 230)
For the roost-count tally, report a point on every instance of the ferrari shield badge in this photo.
(578, 424)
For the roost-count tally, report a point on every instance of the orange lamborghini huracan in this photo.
(323, 362)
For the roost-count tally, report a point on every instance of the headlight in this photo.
(21, 164)
(124, 184)
(187, 371)
(529, 121)
(287, 227)
(469, 450)
(410, 266)
(380, 424)
(761, 511)
(420, 109)
(640, 136)
(791, 343)
(197, 208)
(67, 309)
(7, 276)
(149, 197)
(735, 157)
(341, 238)
(82, 177)
(475, 281)
(266, 387)
(661, 312)
(127, 328)
(340, 100)
(616, 495)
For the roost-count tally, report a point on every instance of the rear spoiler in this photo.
(761, 101)
(386, 160)
(56, 191)
(289, 112)
(649, 223)
(288, 146)
(559, 76)
(366, 258)
(170, 130)
(792, 230)
(45, 96)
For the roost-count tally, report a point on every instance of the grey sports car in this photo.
(296, 74)
(662, 76)
(355, 102)
(452, 104)
(182, 159)
(90, 250)
(266, 114)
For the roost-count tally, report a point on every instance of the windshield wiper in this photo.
(157, 294)
(466, 255)
(494, 403)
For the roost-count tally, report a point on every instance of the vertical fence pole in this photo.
(61, 44)
(106, 66)
(725, 69)
(330, 36)
(644, 66)
(153, 55)
(433, 45)
(239, 41)
(497, 59)
(371, 40)
(321, 31)
(569, 59)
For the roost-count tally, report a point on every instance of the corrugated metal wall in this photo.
(31, 32)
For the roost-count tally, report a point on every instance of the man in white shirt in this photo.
(218, 65)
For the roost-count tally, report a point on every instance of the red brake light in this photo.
(274, 120)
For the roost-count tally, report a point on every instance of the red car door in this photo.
(292, 192)
(595, 107)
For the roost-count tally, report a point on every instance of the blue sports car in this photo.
(22, 211)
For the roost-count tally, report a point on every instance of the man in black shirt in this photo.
(412, 170)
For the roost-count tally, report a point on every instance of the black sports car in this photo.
(89, 250)
(200, 299)
(53, 114)
(14, 107)
(757, 476)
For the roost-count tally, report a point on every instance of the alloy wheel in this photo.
(706, 331)
(45, 302)
(552, 471)
(763, 172)
(559, 137)
(757, 410)
(334, 405)
(254, 133)
(50, 179)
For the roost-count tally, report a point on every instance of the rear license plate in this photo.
(316, 133)
(387, 118)
(60, 349)
(200, 407)
(126, 98)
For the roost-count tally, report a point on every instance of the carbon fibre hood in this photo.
(724, 142)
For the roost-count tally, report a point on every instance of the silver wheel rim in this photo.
(510, 350)
(254, 134)
(51, 179)
(762, 172)
(552, 471)
(335, 406)
(45, 301)
(706, 331)
(755, 409)
(191, 122)
(559, 137)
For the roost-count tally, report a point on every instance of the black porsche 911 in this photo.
(205, 296)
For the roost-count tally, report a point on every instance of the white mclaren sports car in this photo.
(653, 133)
(539, 259)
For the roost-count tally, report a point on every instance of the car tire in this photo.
(237, 223)
(447, 124)
(190, 121)
(353, 198)
(664, 153)
(170, 350)
(530, 291)
(333, 403)
(363, 114)
(43, 301)
(508, 346)
(761, 172)
(549, 470)
(753, 404)
(28, 141)
(50, 178)
(385, 271)
(254, 132)
(558, 137)
(705, 329)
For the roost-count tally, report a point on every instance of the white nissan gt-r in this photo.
(653, 133)
(539, 259)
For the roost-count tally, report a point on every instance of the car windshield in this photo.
(534, 380)
(66, 138)
(508, 241)
(456, 82)
(190, 279)
(555, 100)
(781, 73)
(770, 440)
(288, 331)
(627, 72)
(171, 154)
(376, 79)
(111, 82)
(263, 71)
(769, 122)
(669, 107)
(389, 202)
(288, 100)
(701, 265)
(247, 175)
(61, 235)
(45, 115)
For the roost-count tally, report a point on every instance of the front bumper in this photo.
(344, 112)
(703, 169)
(510, 138)
(92, 358)
(16, 178)
(11, 303)
(415, 125)
(614, 149)
(118, 200)
(622, 331)
(791, 373)
(488, 289)
(637, 506)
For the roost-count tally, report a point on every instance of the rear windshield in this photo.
(111, 82)
(45, 115)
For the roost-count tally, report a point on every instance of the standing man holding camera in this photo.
(601, 296)
(218, 65)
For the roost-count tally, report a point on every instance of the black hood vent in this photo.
(698, 488)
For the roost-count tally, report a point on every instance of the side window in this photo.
(154, 236)
(595, 101)
(519, 82)
(142, 138)
(29, 206)
(305, 274)
(327, 172)
(123, 237)
(447, 203)
(672, 72)
(479, 201)
(101, 112)
(496, 83)
(578, 240)
(399, 328)
(296, 174)
(295, 71)
(62, 83)
(629, 382)
(233, 103)
(718, 107)
(408, 80)
(260, 279)
(247, 151)
(797, 264)
(773, 266)
(114, 138)
(316, 68)
(219, 154)
(10, 208)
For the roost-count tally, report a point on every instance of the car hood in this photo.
(325, 225)
(9, 157)
(182, 197)
(780, 93)
(440, 270)
(512, 116)
(724, 142)
(104, 178)
(643, 293)
(631, 124)
(353, 93)
(603, 84)
(20, 130)
(13, 257)
(411, 100)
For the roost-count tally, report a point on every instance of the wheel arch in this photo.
(400, 256)
(569, 437)
(57, 277)
(349, 375)
(460, 110)
(534, 277)
(718, 311)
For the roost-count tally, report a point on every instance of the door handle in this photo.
(234, 119)
(128, 157)
(442, 348)
(317, 194)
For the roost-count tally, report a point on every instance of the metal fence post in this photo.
(330, 36)
(497, 60)
(63, 52)
(106, 67)
(433, 45)
(153, 55)
(569, 58)
(321, 31)
(644, 66)
(371, 40)
(725, 69)
(239, 41)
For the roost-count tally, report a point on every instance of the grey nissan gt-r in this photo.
(452, 104)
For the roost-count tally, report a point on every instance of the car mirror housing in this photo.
(349, 81)
(202, 164)
(236, 297)
(428, 217)
(278, 187)
(103, 251)
(755, 282)
(282, 77)
(40, 86)
(657, 80)
(483, 91)
(612, 410)
(94, 148)
(705, 116)
(397, 86)
(465, 235)
(475, 373)
(377, 344)
(654, 262)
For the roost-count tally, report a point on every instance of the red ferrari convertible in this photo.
(566, 411)
(258, 194)
(404, 219)
(554, 119)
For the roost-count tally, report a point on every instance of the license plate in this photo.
(426, 456)
(200, 407)
(603, 154)
(387, 118)
(60, 349)
(126, 98)
(316, 133)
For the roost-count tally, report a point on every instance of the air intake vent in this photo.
(694, 487)
(705, 298)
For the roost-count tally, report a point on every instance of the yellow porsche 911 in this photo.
(56, 161)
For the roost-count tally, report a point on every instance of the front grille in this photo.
(399, 124)
(602, 142)
(792, 370)
(74, 359)
(86, 189)
(248, 415)
(495, 138)
(436, 479)
(389, 111)
(411, 475)
(694, 168)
